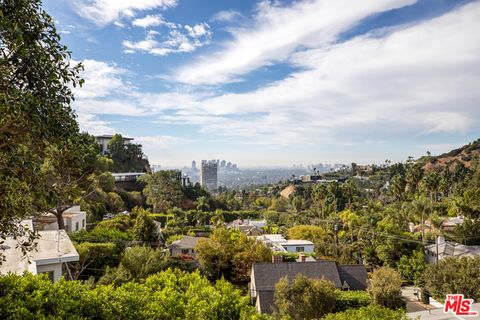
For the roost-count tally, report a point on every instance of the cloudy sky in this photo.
(277, 82)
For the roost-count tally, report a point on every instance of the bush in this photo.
(453, 275)
(171, 294)
(371, 312)
(385, 288)
(351, 300)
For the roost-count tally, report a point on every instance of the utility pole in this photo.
(423, 228)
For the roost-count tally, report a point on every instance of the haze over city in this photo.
(273, 83)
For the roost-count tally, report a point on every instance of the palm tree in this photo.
(420, 209)
(202, 203)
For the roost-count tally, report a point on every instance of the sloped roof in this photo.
(355, 275)
(186, 242)
(265, 301)
(266, 275)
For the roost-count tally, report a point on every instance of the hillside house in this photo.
(264, 277)
(53, 249)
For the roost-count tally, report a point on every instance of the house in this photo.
(184, 246)
(278, 243)
(74, 219)
(105, 139)
(248, 227)
(449, 249)
(53, 249)
(449, 224)
(264, 277)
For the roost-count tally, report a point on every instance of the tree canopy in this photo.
(36, 81)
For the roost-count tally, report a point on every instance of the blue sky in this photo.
(277, 82)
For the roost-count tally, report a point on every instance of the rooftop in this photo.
(51, 247)
(185, 243)
(296, 243)
(110, 136)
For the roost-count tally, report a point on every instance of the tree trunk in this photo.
(59, 214)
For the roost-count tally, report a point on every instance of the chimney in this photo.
(277, 259)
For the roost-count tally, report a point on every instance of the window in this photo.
(300, 249)
(77, 226)
(50, 274)
(83, 223)
(184, 251)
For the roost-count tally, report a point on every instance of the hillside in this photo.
(465, 155)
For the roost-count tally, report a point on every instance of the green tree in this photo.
(67, 171)
(230, 253)
(202, 203)
(411, 267)
(127, 157)
(144, 228)
(171, 294)
(368, 313)
(306, 232)
(136, 264)
(89, 254)
(163, 189)
(36, 77)
(453, 275)
(304, 298)
(385, 287)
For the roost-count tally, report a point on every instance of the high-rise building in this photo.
(208, 175)
(223, 163)
(194, 165)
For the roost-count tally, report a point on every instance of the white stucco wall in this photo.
(293, 248)
(56, 268)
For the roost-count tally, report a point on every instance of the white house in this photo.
(74, 219)
(296, 246)
(184, 246)
(449, 249)
(277, 242)
(105, 139)
(53, 249)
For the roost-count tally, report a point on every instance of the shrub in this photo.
(351, 300)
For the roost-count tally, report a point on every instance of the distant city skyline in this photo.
(277, 83)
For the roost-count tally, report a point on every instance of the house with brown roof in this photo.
(265, 276)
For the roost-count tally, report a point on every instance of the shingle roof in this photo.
(355, 275)
(186, 242)
(265, 301)
(266, 275)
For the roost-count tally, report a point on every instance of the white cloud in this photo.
(149, 21)
(162, 142)
(93, 125)
(278, 31)
(417, 80)
(101, 80)
(413, 81)
(226, 16)
(175, 41)
(103, 12)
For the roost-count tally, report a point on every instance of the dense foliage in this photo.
(385, 288)
(230, 254)
(171, 294)
(454, 275)
(304, 298)
(371, 312)
(36, 80)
